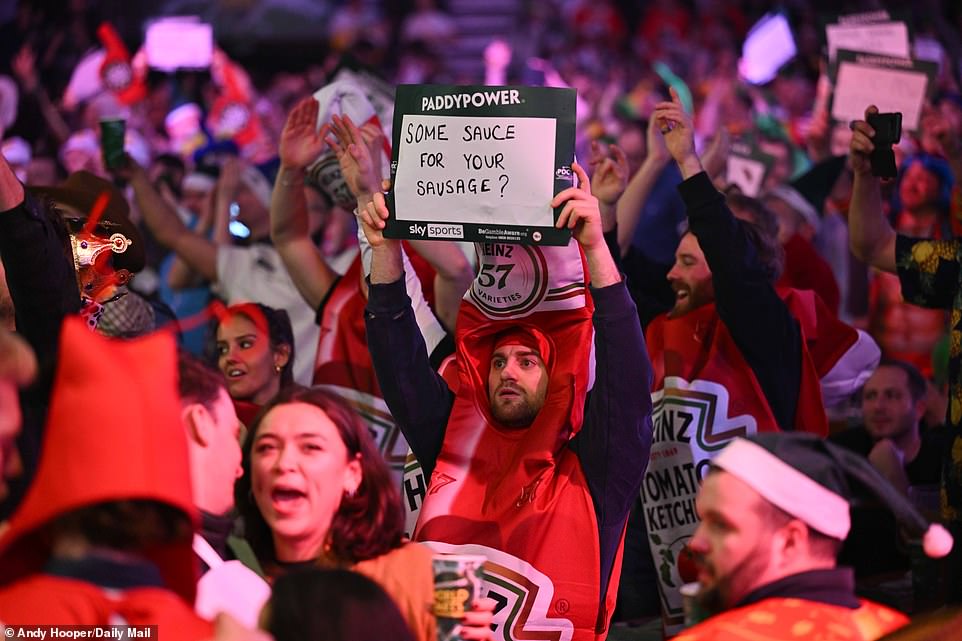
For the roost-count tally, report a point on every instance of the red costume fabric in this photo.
(522, 492)
(806, 269)
(113, 433)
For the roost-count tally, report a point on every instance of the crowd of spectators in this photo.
(826, 303)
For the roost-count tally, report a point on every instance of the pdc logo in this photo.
(563, 173)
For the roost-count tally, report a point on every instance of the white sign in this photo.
(768, 46)
(478, 170)
(179, 43)
(859, 85)
(747, 174)
(885, 38)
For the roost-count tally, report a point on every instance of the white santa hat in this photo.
(814, 481)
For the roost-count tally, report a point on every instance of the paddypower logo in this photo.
(437, 230)
(476, 99)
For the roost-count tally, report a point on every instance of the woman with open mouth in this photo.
(316, 493)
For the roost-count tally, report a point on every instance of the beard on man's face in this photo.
(518, 411)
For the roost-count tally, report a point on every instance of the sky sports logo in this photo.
(435, 230)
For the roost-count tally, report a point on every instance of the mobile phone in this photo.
(112, 134)
(888, 132)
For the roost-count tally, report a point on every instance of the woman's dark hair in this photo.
(368, 523)
(333, 605)
(275, 323)
(761, 228)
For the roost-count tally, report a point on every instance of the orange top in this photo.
(407, 576)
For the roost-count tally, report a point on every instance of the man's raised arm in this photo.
(871, 236)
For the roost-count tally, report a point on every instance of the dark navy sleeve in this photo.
(615, 439)
(418, 398)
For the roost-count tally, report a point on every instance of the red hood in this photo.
(113, 433)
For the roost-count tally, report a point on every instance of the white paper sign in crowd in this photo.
(886, 38)
(891, 84)
(480, 163)
(479, 170)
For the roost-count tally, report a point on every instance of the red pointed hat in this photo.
(113, 433)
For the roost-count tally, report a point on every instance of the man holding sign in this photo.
(523, 470)
(480, 163)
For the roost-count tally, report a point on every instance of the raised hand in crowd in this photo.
(871, 235)
(582, 215)
(640, 186)
(715, 157)
(24, 66)
(196, 251)
(356, 150)
(677, 127)
(609, 177)
(941, 129)
(300, 144)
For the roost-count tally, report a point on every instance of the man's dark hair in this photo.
(917, 385)
(198, 382)
(761, 228)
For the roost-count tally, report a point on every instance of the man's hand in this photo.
(715, 158)
(229, 180)
(476, 624)
(372, 216)
(581, 213)
(679, 133)
(889, 460)
(861, 146)
(609, 172)
(301, 143)
(24, 66)
(657, 152)
(130, 171)
(356, 152)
